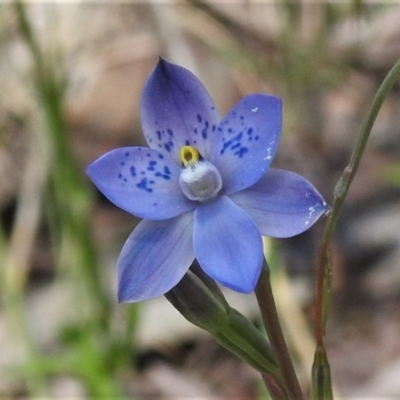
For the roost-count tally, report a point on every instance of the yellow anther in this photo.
(189, 155)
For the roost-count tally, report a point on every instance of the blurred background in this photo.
(70, 79)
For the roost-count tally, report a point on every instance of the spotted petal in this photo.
(141, 181)
(227, 244)
(176, 110)
(282, 204)
(246, 141)
(154, 258)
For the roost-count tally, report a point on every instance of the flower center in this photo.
(199, 179)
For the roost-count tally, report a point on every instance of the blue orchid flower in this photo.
(202, 187)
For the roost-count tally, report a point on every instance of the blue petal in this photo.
(154, 258)
(176, 111)
(141, 181)
(227, 244)
(282, 204)
(246, 141)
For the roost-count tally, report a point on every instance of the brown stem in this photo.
(276, 391)
(273, 328)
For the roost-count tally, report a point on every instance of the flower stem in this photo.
(273, 328)
(275, 391)
(340, 192)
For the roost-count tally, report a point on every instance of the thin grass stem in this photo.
(340, 192)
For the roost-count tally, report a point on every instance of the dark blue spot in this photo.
(133, 171)
(204, 133)
(155, 204)
(257, 137)
(199, 118)
(143, 185)
(164, 176)
(170, 133)
(167, 170)
(235, 146)
(250, 131)
(122, 163)
(206, 124)
(187, 142)
(151, 182)
(232, 143)
(148, 155)
(168, 146)
(195, 130)
(160, 156)
(213, 128)
(119, 175)
(125, 180)
(241, 117)
(241, 152)
(212, 108)
(158, 135)
(127, 153)
(219, 129)
(230, 130)
(151, 166)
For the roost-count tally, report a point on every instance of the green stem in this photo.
(273, 328)
(68, 195)
(340, 192)
(69, 205)
(132, 317)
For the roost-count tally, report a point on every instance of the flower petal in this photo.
(154, 258)
(141, 181)
(246, 141)
(282, 204)
(176, 111)
(227, 244)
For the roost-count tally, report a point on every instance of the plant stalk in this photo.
(340, 192)
(273, 328)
